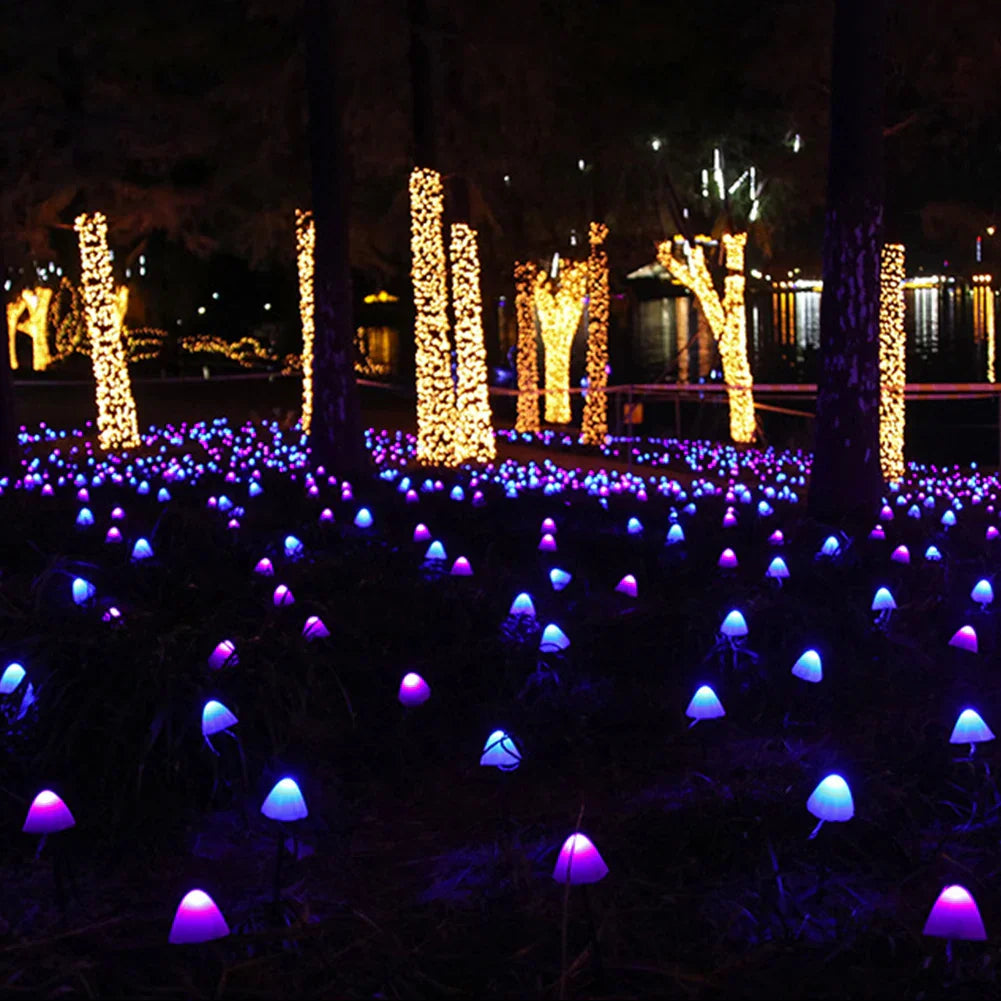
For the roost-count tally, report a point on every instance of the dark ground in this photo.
(941, 432)
(429, 876)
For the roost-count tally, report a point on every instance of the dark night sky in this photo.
(188, 118)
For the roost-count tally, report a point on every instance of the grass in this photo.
(424, 875)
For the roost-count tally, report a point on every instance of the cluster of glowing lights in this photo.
(305, 243)
(35, 303)
(436, 403)
(474, 435)
(247, 351)
(715, 471)
(594, 425)
(984, 324)
(892, 362)
(559, 305)
(727, 318)
(527, 359)
(116, 409)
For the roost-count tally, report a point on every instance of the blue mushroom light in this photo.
(705, 704)
(970, 729)
(500, 751)
(216, 718)
(831, 800)
(285, 802)
(554, 640)
(809, 667)
(12, 676)
(83, 591)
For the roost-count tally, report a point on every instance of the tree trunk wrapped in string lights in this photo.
(305, 242)
(559, 314)
(474, 437)
(116, 409)
(36, 326)
(527, 355)
(594, 426)
(436, 409)
(892, 362)
(727, 319)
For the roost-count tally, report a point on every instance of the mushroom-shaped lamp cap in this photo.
(285, 802)
(832, 800)
(197, 919)
(579, 861)
(47, 814)
(955, 915)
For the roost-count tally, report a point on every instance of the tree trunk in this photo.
(422, 83)
(336, 438)
(10, 452)
(846, 481)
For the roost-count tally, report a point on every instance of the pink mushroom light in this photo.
(197, 919)
(579, 861)
(955, 915)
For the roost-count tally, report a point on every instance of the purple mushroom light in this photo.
(413, 691)
(224, 655)
(965, 638)
(197, 919)
(955, 916)
(48, 814)
(579, 862)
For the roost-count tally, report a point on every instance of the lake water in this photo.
(950, 333)
(950, 330)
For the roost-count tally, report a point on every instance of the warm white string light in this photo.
(305, 245)
(733, 342)
(528, 353)
(727, 318)
(474, 437)
(436, 408)
(116, 410)
(34, 302)
(892, 362)
(594, 426)
(559, 310)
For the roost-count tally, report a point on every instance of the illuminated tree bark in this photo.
(436, 414)
(527, 353)
(36, 326)
(336, 436)
(559, 312)
(474, 439)
(10, 452)
(305, 243)
(594, 426)
(117, 425)
(846, 480)
(727, 319)
(892, 362)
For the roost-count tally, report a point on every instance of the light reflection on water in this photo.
(950, 337)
